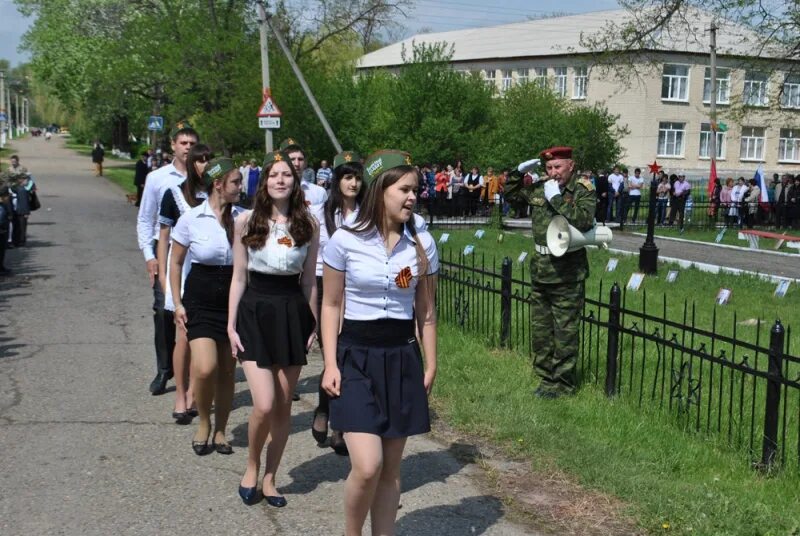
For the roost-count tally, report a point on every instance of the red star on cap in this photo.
(654, 167)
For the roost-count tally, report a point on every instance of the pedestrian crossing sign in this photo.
(156, 123)
(268, 107)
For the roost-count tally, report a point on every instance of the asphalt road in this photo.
(87, 450)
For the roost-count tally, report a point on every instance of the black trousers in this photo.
(3, 244)
(164, 329)
(19, 235)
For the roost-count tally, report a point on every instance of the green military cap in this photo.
(277, 156)
(289, 143)
(346, 157)
(180, 125)
(217, 168)
(384, 160)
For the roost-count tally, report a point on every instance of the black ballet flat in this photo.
(201, 448)
(319, 436)
(278, 501)
(182, 417)
(338, 445)
(192, 412)
(222, 448)
(249, 495)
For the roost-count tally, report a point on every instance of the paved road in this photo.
(87, 450)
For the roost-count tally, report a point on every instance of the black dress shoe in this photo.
(319, 435)
(201, 448)
(249, 495)
(338, 445)
(278, 501)
(182, 417)
(159, 384)
(295, 396)
(222, 448)
(192, 412)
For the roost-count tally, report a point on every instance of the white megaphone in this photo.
(563, 237)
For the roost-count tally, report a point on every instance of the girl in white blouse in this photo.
(272, 313)
(204, 233)
(382, 270)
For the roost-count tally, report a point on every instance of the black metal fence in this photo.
(744, 394)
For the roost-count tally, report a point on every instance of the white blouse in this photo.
(280, 255)
(374, 287)
(200, 231)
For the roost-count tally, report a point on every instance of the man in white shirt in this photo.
(635, 185)
(183, 137)
(616, 184)
(324, 175)
(315, 195)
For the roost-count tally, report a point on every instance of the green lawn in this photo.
(672, 480)
(730, 237)
(122, 176)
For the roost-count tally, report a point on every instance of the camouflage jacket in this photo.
(577, 204)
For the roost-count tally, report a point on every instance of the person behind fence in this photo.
(557, 283)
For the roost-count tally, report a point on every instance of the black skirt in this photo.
(205, 297)
(274, 321)
(382, 389)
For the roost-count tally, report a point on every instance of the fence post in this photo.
(773, 402)
(612, 350)
(505, 302)
(430, 211)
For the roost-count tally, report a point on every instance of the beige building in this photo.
(664, 103)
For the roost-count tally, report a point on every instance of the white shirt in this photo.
(155, 185)
(371, 290)
(315, 195)
(278, 258)
(737, 194)
(615, 179)
(200, 231)
(635, 185)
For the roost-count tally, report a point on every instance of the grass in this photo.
(122, 176)
(669, 478)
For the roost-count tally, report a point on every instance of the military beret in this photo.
(180, 125)
(277, 156)
(217, 168)
(381, 161)
(289, 143)
(556, 153)
(346, 157)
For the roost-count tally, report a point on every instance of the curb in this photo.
(725, 246)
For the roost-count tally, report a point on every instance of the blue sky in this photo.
(436, 15)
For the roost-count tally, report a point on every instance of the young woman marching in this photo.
(206, 234)
(341, 207)
(176, 201)
(272, 312)
(383, 271)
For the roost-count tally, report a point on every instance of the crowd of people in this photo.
(344, 264)
(18, 198)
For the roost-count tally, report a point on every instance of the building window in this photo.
(752, 143)
(489, 77)
(756, 89)
(675, 83)
(522, 76)
(790, 97)
(789, 145)
(579, 83)
(670, 138)
(705, 142)
(723, 86)
(540, 76)
(560, 81)
(507, 81)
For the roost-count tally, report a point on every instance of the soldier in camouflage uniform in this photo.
(557, 283)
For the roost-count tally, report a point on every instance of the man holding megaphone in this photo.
(558, 274)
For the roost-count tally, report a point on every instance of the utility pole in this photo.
(26, 113)
(262, 31)
(302, 80)
(712, 142)
(2, 109)
(16, 106)
(11, 124)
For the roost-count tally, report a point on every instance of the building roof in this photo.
(558, 36)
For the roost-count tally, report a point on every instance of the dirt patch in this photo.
(547, 502)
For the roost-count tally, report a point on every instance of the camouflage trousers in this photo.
(555, 318)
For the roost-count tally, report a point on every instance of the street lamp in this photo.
(648, 253)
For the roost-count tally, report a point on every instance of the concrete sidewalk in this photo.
(87, 449)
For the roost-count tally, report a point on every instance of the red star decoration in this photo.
(654, 167)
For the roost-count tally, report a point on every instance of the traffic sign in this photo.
(269, 122)
(3, 116)
(268, 107)
(155, 122)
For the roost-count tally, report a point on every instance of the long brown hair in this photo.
(372, 214)
(301, 223)
(227, 215)
(194, 183)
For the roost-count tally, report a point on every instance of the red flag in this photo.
(712, 179)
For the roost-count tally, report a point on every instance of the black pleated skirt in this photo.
(205, 297)
(274, 321)
(382, 389)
